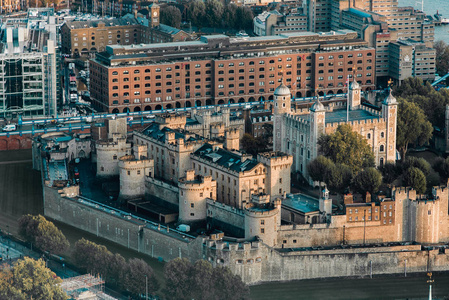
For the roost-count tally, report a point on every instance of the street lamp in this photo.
(146, 287)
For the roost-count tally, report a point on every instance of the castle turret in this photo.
(278, 172)
(354, 95)
(263, 219)
(282, 105)
(325, 205)
(193, 192)
(389, 113)
(232, 139)
(132, 176)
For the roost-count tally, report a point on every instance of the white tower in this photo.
(282, 106)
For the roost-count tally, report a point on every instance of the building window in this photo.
(192, 205)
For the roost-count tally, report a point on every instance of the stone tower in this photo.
(263, 218)
(232, 138)
(154, 14)
(354, 95)
(132, 176)
(389, 113)
(317, 124)
(282, 106)
(193, 194)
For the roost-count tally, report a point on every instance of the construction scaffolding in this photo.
(85, 287)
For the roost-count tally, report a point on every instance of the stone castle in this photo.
(240, 208)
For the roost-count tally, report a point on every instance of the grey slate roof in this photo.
(225, 158)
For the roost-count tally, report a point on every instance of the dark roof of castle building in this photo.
(153, 131)
(106, 22)
(225, 158)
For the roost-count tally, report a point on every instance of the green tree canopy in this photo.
(442, 57)
(416, 179)
(244, 17)
(214, 13)
(368, 180)
(338, 178)
(416, 162)
(197, 12)
(201, 281)
(413, 86)
(230, 16)
(171, 16)
(318, 168)
(441, 166)
(347, 147)
(30, 279)
(43, 234)
(136, 276)
(413, 126)
(390, 172)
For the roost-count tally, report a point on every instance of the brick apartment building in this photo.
(84, 37)
(218, 69)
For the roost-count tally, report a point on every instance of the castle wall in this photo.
(157, 242)
(229, 219)
(162, 190)
(108, 155)
(253, 261)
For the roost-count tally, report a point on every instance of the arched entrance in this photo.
(231, 101)
(330, 92)
(136, 109)
(242, 100)
(261, 98)
(321, 93)
(271, 98)
(251, 99)
(221, 101)
(158, 107)
(188, 104)
(339, 92)
(298, 95)
(209, 102)
(126, 110)
(198, 103)
(309, 94)
(82, 154)
(115, 111)
(178, 104)
(147, 108)
(168, 106)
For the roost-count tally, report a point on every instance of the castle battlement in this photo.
(274, 158)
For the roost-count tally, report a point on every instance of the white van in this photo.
(10, 127)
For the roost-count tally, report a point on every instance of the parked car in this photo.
(10, 127)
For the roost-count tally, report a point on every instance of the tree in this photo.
(230, 16)
(413, 86)
(202, 281)
(390, 172)
(338, 178)
(43, 234)
(413, 126)
(318, 168)
(254, 145)
(30, 279)
(416, 162)
(197, 12)
(347, 147)
(214, 13)
(415, 178)
(92, 258)
(245, 17)
(136, 276)
(177, 275)
(442, 57)
(441, 166)
(171, 16)
(368, 180)
(228, 285)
